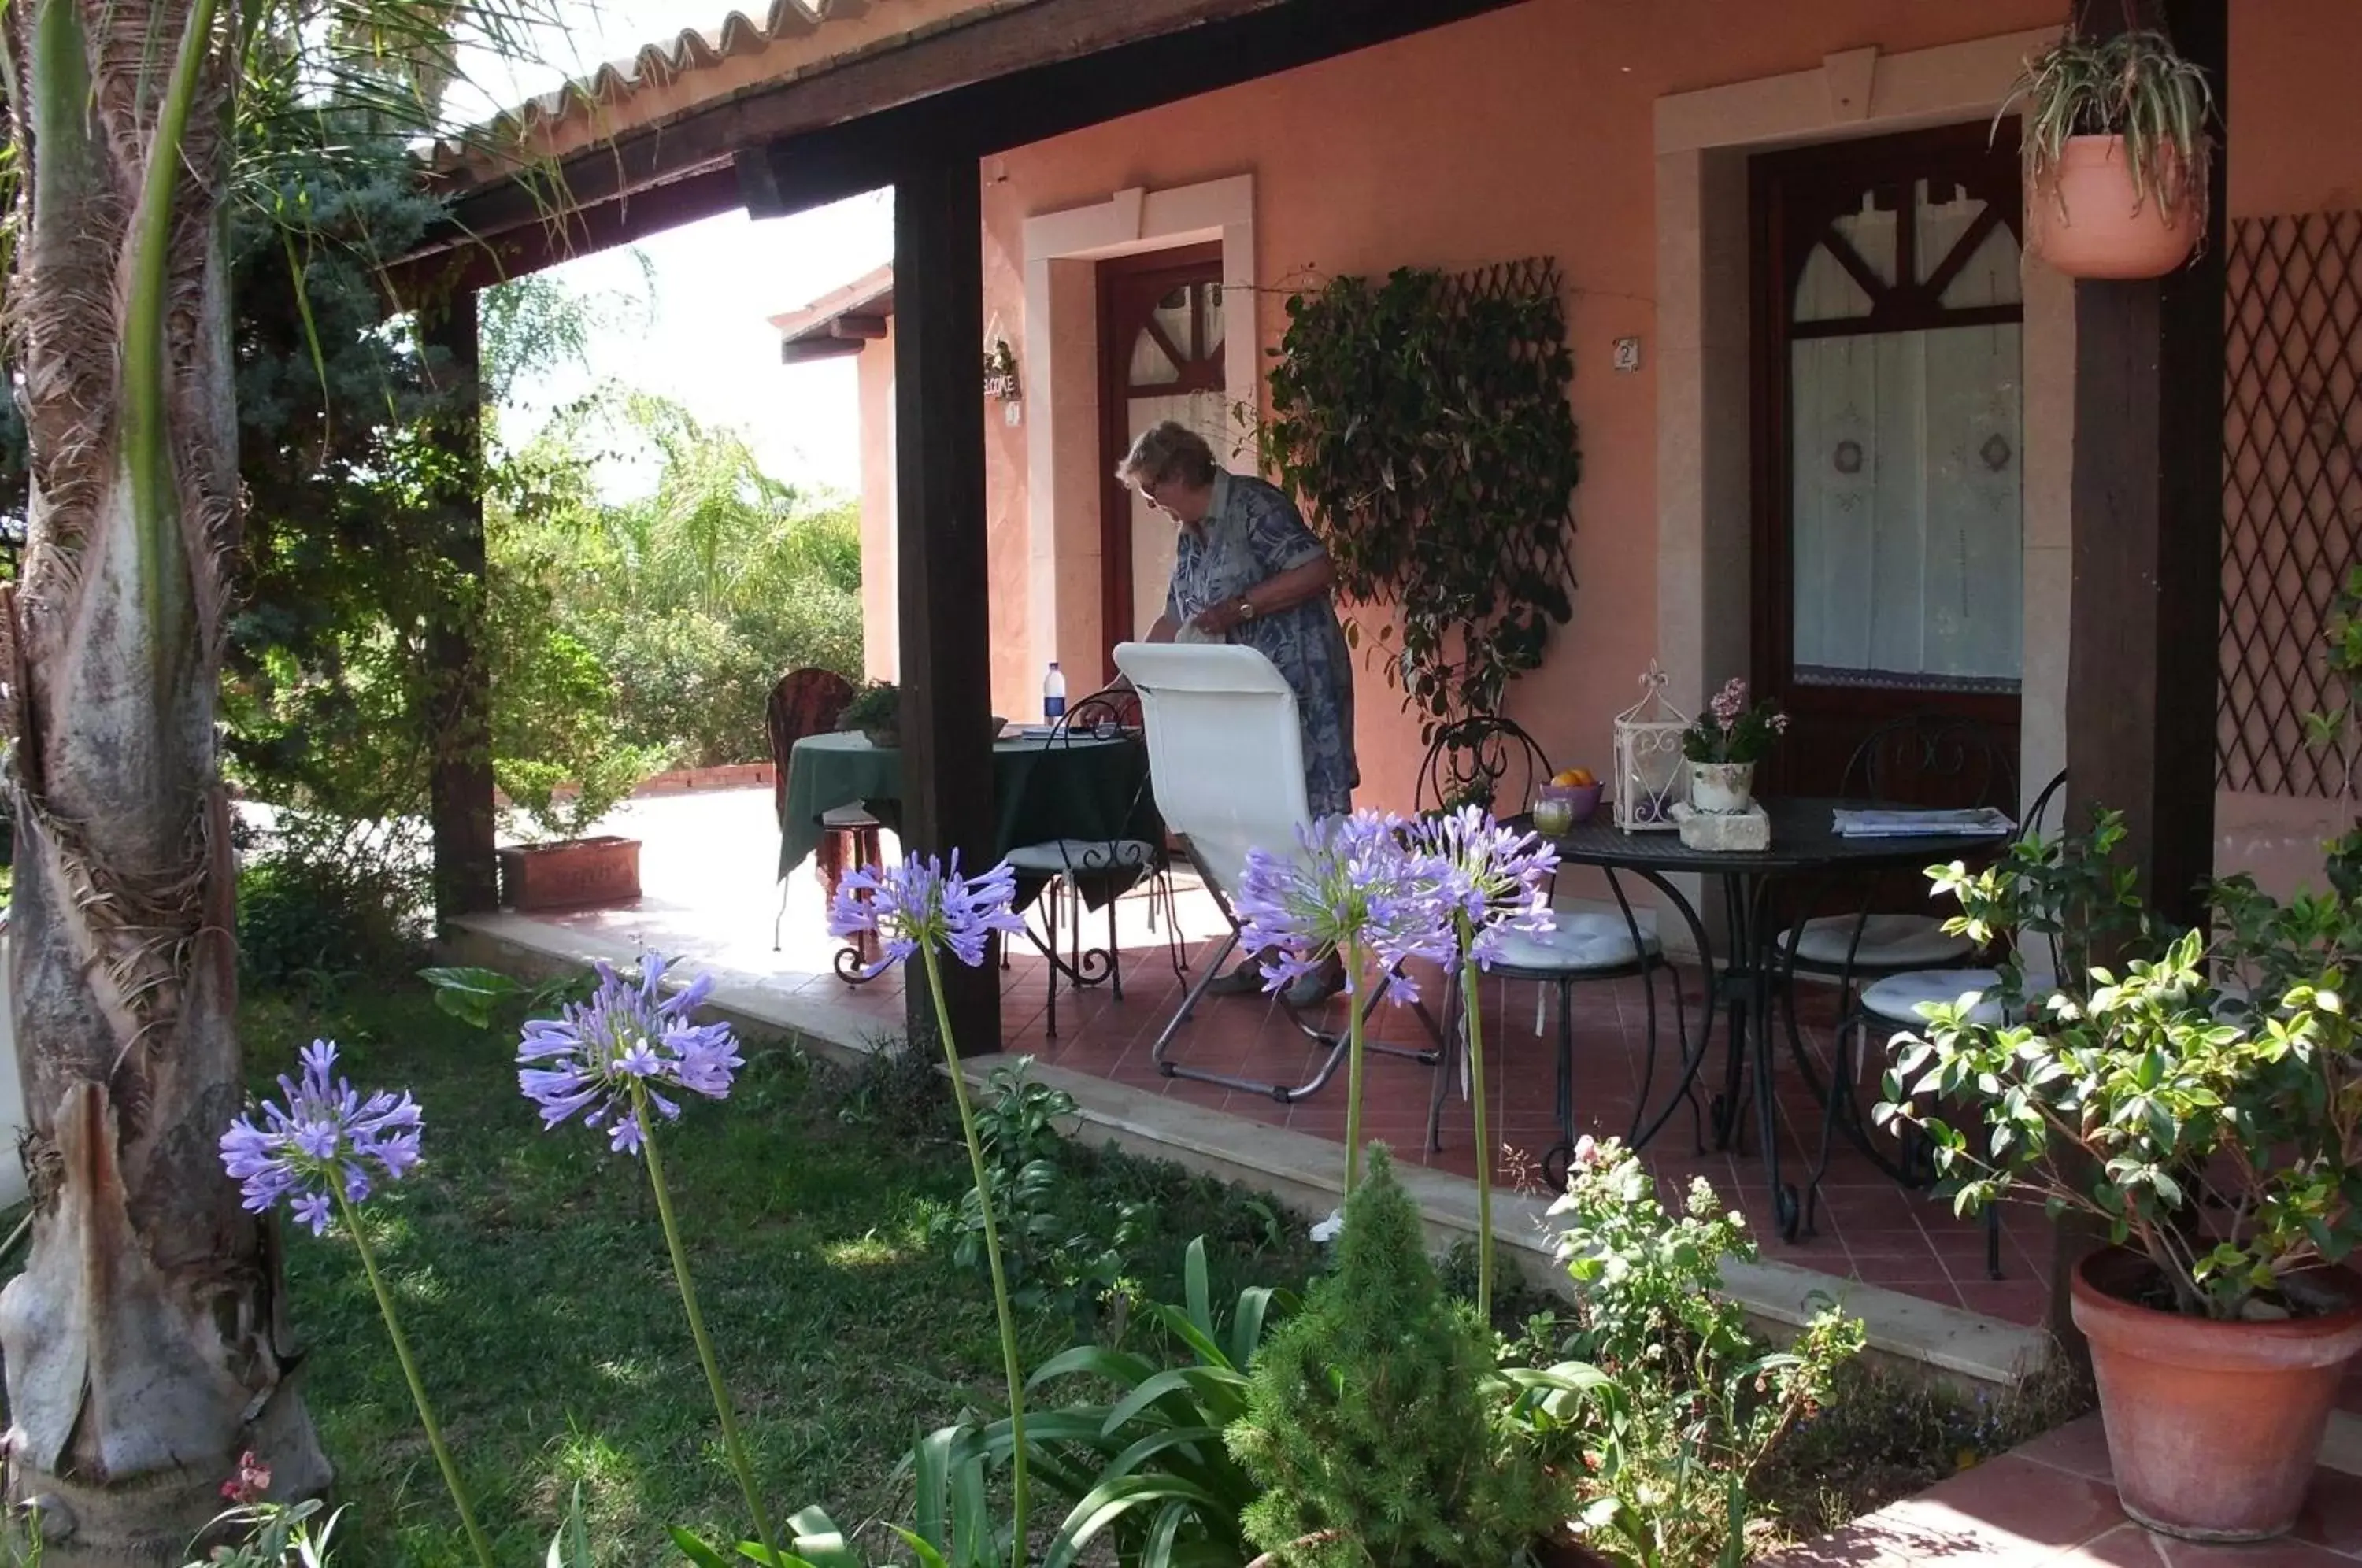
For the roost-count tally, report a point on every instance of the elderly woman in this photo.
(1246, 569)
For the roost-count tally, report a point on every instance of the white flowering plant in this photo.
(1670, 1405)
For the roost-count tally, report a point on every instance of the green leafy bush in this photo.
(1373, 1421)
(1672, 1405)
(694, 597)
(1056, 1250)
(558, 753)
(323, 902)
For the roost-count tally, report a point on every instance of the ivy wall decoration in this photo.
(1423, 424)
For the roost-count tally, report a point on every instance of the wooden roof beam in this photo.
(795, 173)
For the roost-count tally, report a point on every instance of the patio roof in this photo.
(663, 139)
(840, 322)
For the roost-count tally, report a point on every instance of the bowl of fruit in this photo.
(1566, 802)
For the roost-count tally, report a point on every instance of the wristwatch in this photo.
(1246, 607)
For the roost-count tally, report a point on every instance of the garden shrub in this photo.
(1371, 1422)
(1672, 1405)
(323, 902)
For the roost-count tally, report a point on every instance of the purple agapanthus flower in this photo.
(589, 1059)
(324, 1133)
(1354, 883)
(920, 905)
(1491, 880)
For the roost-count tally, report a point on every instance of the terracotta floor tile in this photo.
(2129, 1546)
(2079, 1448)
(2332, 1514)
(725, 921)
(2012, 1511)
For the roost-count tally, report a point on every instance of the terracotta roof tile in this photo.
(700, 67)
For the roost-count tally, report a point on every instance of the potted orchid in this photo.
(1724, 744)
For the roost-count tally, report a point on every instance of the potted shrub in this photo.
(876, 711)
(2116, 154)
(554, 807)
(2211, 1136)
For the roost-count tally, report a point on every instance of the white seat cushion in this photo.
(848, 817)
(1898, 998)
(1057, 857)
(1888, 941)
(1579, 943)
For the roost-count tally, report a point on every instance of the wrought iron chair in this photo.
(1492, 762)
(1921, 760)
(809, 702)
(1891, 1003)
(1056, 873)
(1483, 760)
(1226, 757)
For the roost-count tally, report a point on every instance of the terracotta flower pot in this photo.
(2085, 218)
(578, 872)
(2214, 1429)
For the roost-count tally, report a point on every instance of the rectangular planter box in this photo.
(579, 872)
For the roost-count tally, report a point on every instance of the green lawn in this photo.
(533, 1279)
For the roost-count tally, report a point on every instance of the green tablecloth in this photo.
(1078, 788)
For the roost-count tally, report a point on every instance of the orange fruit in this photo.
(1576, 778)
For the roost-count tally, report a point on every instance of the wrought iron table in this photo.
(1805, 842)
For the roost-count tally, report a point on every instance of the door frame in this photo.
(1064, 474)
(1824, 176)
(1173, 267)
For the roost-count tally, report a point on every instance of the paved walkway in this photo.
(2052, 1503)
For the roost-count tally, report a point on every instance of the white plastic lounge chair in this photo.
(1226, 763)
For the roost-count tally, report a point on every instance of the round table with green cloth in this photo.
(1082, 786)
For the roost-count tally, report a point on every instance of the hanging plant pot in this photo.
(2085, 216)
(2214, 1428)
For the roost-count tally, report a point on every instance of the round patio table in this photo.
(1085, 786)
(1805, 842)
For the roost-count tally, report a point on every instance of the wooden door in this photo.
(1161, 358)
(1887, 545)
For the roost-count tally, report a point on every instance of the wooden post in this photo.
(467, 877)
(939, 515)
(2148, 545)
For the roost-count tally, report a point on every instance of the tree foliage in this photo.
(695, 597)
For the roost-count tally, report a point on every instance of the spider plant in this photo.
(2132, 85)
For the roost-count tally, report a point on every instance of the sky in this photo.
(701, 333)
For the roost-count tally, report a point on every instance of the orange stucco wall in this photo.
(1521, 133)
(1530, 131)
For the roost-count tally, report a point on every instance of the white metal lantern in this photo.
(1650, 777)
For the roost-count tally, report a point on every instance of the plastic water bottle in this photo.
(1054, 695)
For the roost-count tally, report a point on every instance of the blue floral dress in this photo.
(1251, 535)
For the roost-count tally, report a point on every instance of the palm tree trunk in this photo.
(144, 1344)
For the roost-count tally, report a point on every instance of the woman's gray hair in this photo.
(1168, 451)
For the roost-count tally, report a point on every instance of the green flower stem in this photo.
(410, 1372)
(1471, 1009)
(1008, 1357)
(1351, 958)
(737, 1449)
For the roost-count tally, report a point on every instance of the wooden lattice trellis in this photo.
(2291, 488)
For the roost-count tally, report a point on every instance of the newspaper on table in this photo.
(1981, 822)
